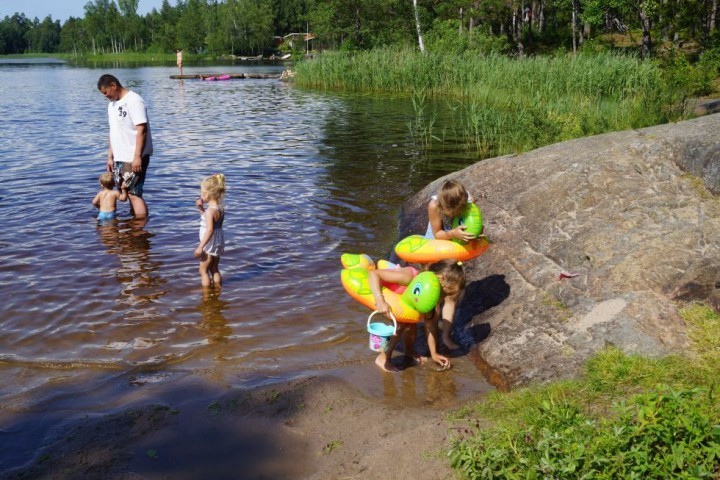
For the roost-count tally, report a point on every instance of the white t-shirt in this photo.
(124, 115)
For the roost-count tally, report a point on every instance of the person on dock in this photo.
(131, 143)
(179, 60)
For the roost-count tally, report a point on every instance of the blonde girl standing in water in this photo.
(212, 240)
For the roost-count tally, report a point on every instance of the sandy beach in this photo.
(310, 427)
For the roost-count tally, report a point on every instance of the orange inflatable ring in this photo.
(420, 296)
(418, 249)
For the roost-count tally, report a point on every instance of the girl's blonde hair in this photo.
(451, 275)
(214, 185)
(107, 180)
(452, 198)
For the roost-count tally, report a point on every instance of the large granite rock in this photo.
(632, 213)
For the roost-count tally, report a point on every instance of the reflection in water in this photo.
(312, 175)
(130, 242)
(212, 323)
(371, 171)
(421, 386)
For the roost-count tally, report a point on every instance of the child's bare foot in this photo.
(416, 359)
(384, 363)
(449, 344)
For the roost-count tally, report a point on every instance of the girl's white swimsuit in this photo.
(216, 245)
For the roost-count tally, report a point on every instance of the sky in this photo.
(62, 9)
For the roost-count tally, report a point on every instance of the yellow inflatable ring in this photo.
(418, 249)
(420, 296)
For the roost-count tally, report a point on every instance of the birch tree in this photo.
(421, 45)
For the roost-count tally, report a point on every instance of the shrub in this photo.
(629, 417)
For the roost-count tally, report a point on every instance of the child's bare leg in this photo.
(217, 278)
(409, 344)
(383, 359)
(446, 340)
(431, 327)
(205, 278)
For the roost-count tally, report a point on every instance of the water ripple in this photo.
(309, 176)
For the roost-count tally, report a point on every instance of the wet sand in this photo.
(352, 422)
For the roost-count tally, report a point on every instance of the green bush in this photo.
(628, 417)
(710, 62)
(446, 36)
(681, 75)
(655, 435)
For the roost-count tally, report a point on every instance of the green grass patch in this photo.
(628, 417)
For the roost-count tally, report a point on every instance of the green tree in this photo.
(642, 12)
(13, 34)
(191, 28)
(364, 24)
(290, 16)
(215, 40)
(166, 39)
(73, 38)
(248, 26)
(103, 26)
(153, 28)
(131, 25)
(44, 36)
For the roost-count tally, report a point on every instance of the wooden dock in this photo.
(233, 76)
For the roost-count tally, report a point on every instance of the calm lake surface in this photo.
(92, 315)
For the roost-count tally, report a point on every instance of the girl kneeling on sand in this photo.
(451, 275)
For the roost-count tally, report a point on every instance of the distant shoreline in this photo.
(145, 57)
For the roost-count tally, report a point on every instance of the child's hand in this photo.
(199, 203)
(199, 252)
(382, 306)
(123, 186)
(442, 361)
(460, 233)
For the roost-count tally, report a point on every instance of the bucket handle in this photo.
(391, 316)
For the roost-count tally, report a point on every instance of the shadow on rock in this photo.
(480, 296)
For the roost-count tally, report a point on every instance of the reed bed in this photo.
(504, 105)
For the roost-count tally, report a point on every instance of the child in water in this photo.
(212, 240)
(451, 275)
(106, 199)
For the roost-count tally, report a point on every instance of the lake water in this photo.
(92, 315)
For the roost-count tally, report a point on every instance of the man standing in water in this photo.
(130, 140)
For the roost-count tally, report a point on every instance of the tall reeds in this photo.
(505, 105)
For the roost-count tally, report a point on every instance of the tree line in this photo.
(250, 27)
